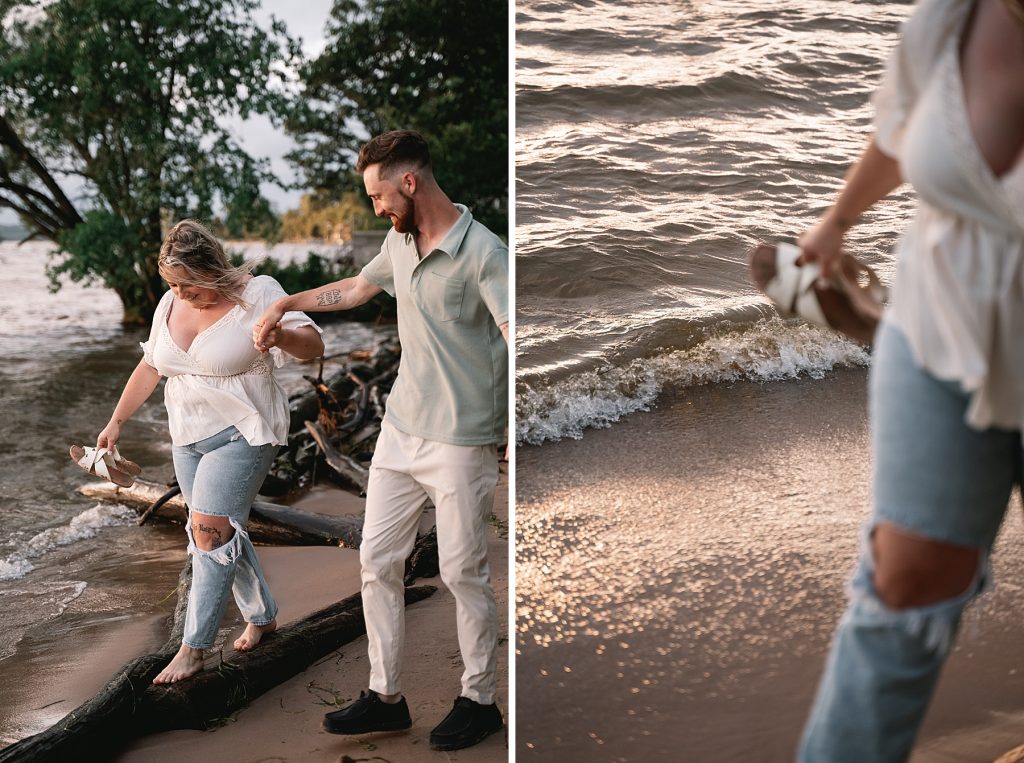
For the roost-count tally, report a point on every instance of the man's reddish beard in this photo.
(404, 220)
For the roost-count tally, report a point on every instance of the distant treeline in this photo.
(317, 218)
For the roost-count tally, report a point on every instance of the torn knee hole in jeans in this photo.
(933, 624)
(911, 569)
(225, 553)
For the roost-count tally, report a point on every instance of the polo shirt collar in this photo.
(452, 241)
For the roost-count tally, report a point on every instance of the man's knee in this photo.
(210, 531)
(914, 571)
(466, 569)
(377, 562)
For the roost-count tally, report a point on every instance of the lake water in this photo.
(655, 144)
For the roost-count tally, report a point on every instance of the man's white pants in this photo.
(460, 480)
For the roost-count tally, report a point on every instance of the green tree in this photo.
(436, 66)
(132, 99)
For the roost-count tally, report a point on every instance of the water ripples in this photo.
(655, 144)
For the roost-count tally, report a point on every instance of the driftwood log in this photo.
(130, 705)
(336, 423)
(345, 466)
(173, 489)
(276, 525)
(424, 561)
(268, 522)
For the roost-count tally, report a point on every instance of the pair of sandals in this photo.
(851, 302)
(106, 463)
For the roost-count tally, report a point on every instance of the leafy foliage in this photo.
(132, 98)
(436, 66)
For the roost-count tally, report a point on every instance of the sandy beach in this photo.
(679, 576)
(283, 724)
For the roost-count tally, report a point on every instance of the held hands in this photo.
(267, 335)
(267, 332)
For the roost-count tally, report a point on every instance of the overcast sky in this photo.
(305, 20)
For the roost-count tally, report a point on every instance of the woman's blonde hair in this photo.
(200, 258)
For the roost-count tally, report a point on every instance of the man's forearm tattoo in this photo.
(329, 297)
(213, 532)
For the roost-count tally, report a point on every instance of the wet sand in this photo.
(679, 576)
(284, 723)
(124, 612)
(62, 661)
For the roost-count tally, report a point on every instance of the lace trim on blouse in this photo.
(260, 365)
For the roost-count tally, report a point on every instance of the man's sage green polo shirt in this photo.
(452, 381)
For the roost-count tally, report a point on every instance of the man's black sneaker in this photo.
(469, 722)
(368, 713)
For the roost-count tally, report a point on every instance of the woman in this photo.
(947, 379)
(227, 416)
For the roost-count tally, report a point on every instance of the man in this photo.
(445, 415)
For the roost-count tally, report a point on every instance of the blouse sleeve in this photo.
(159, 317)
(923, 38)
(293, 319)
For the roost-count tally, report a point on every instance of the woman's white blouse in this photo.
(958, 294)
(222, 380)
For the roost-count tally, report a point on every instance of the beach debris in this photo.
(423, 562)
(268, 522)
(337, 422)
(130, 705)
(345, 466)
(174, 490)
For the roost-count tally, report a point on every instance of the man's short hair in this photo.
(391, 150)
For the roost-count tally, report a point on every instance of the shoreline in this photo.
(284, 723)
(122, 612)
(679, 576)
(62, 673)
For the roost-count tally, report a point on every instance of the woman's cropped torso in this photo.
(221, 380)
(958, 295)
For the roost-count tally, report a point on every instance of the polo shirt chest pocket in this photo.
(441, 296)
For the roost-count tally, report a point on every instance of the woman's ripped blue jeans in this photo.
(935, 478)
(220, 476)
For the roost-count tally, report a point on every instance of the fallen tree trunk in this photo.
(130, 706)
(424, 561)
(344, 465)
(268, 522)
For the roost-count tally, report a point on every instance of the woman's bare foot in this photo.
(187, 662)
(252, 634)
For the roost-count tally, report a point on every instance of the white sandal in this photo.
(125, 465)
(104, 463)
(844, 305)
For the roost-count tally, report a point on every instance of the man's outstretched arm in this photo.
(339, 295)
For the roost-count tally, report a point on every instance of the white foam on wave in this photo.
(13, 568)
(771, 350)
(84, 525)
